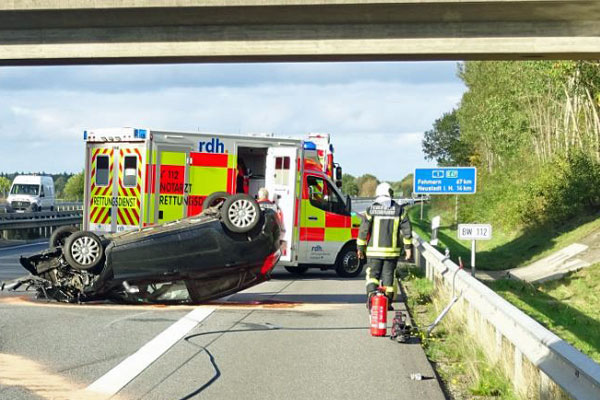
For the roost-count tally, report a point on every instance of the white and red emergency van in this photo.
(139, 177)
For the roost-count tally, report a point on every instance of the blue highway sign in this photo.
(445, 180)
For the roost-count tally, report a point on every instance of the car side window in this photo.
(102, 170)
(322, 195)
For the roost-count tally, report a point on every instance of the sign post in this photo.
(474, 232)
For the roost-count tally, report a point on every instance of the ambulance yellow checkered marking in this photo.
(337, 234)
(314, 217)
(172, 158)
(207, 180)
(100, 211)
(128, 201)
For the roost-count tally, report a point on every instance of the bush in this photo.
(566, 187)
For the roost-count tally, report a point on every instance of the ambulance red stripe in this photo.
(128, 217)
(209, 160)
(92, 213)
(336, 220)
(135, 217)
(105, 219)
(312, 234)
(120, 218)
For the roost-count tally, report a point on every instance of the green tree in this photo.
(4, 186)
(443, 142)
(74, 188)
(349, 185)
(366, 188)
(403, 188)
(59, 186)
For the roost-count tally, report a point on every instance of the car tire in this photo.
(347, 264)
(214, 199)
(240, 213)
(60, 235)
(299, 270)
(34, 208)
(83, 250)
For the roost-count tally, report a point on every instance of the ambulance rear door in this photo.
(114, 186)
(281, 180)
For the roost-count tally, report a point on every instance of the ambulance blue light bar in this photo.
(310, 146)
(140, 133)
(84, 135)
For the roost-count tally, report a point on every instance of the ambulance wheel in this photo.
(60, 235)
(83, 250)
(299, 270)
(214, 199)
(240, 213)
(347, 264)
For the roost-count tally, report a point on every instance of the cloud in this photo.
(153, 78)
(376, 124)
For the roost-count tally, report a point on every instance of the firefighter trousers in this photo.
(380, 272)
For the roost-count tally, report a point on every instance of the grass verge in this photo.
(506, 249)
(462, 365)
(569, 307)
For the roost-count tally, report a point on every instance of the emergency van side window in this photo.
(130, 172)
(102, 170)
(282, 170)
(322, 195)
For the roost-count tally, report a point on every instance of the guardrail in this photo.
(360, 204)
(541, 364)
(10, 221)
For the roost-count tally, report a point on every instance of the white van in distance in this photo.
(31, 193)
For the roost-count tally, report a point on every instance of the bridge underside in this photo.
(46, 32)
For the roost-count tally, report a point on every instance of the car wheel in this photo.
(34, 208)
(214, 199)
(297, 270)
(60, 235)
(240, 213)
(347, 264)
(83, 250)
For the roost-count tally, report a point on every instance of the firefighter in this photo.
(384, 230)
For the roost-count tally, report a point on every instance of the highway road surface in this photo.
(290, 338)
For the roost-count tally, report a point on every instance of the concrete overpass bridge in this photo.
(47, 32)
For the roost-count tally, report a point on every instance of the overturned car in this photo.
(232, 245)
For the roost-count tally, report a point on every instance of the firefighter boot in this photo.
(390, 297)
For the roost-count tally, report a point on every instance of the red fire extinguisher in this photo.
(379, 308)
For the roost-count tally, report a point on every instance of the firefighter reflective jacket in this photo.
(383, 231)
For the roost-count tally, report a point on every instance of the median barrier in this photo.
(540, 364)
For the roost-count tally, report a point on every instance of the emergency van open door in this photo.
(281, 180)
(115, 187)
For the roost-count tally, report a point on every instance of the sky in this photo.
(376, 113)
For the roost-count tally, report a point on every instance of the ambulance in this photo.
(139, 177)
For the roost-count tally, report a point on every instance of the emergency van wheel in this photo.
(299, 270)
(60, 235)
(83, 250)
(240, 213)
(214, 199)
(347, 264)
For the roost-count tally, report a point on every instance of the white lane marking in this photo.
(22, 245)
(115, 379)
